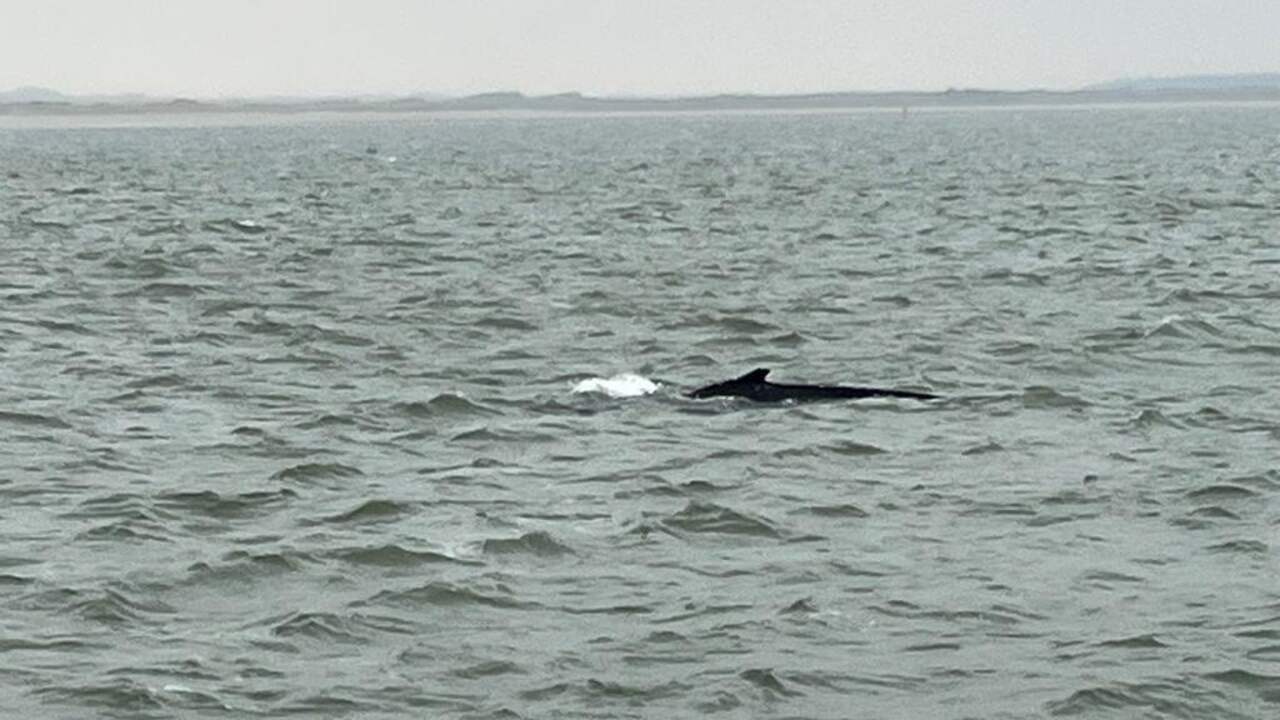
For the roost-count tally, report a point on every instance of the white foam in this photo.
(618, 386)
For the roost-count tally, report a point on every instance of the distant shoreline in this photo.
(577, 104)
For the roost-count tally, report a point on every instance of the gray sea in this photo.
(348, 418)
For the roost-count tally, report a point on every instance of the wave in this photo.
(328, 628)
(444, 594)
(537, 543)
(700, 517)
(443, 405)
(33, 419)
(370, 511)
(207, 503)
(394, 556)
(312, 472)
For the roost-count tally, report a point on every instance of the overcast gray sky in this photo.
(218, 48)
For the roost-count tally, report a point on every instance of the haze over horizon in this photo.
(245, 48)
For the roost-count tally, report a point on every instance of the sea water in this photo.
(379, 419)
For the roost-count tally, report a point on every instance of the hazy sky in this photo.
(216, 48)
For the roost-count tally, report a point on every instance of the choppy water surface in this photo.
(288, 427)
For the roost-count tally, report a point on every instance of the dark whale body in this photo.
(753, 386)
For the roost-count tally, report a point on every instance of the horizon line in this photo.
(53, 95)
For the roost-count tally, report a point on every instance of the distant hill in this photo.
(33, 94)
(30, 94)
(1256, 87)
(1246, 81)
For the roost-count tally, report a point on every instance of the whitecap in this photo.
(618, 386)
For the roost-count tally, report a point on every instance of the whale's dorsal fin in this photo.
(755, 376)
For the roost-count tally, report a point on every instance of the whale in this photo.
(754, 386)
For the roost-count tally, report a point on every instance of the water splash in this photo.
(624, 385)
